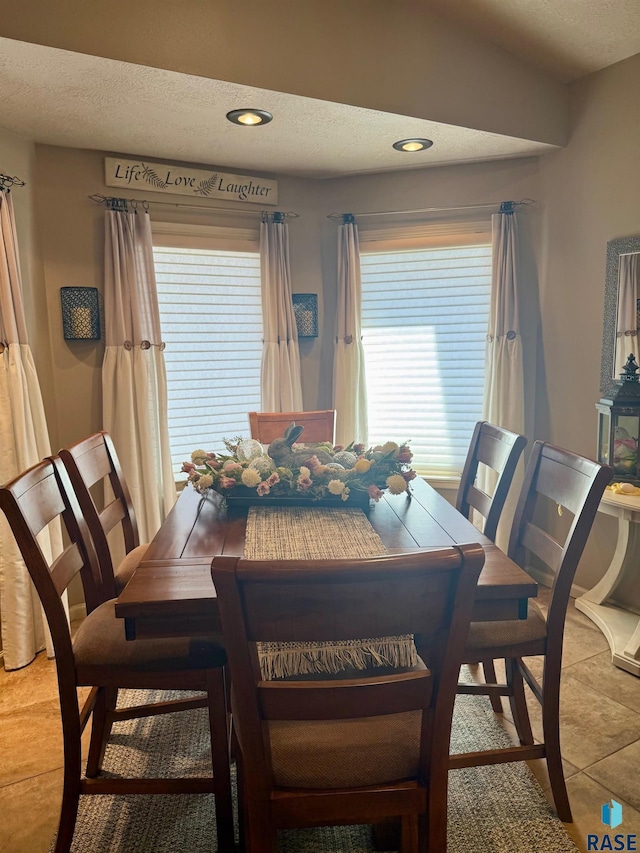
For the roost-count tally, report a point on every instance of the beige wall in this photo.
(591, 193)
(395, 57)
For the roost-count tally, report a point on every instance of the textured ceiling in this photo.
(567, 38)
(70, 99)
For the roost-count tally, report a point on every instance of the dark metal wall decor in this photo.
(305, 308)
(80, 313)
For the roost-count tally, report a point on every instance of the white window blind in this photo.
(425, 315)
(211, 318)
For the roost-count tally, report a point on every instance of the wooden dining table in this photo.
(171, 593)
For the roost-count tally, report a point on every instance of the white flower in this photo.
(251, 478)
(396, 484)
(336, 487)
(304, 471)
(205, 482)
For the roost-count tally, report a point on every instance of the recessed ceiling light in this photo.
(412, 145)
(249, 118)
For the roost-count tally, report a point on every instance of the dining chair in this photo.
(499, 449)
(100, 657)
(555, 480)
(91, 464)
(318, 426)
(321, 750)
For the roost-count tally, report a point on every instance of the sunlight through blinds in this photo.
(211, 318)
(425, 316)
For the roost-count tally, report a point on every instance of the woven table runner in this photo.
(320, 533)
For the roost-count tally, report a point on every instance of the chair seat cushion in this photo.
(345, 753)
(516, 632)
(124, 572)
(100, 646)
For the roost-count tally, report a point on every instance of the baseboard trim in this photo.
(545, 578)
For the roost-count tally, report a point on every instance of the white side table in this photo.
(620, 626)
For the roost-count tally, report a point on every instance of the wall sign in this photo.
(169, 178)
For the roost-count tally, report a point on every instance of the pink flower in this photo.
(304, 483)
(211, 455)
(338, 448)
(312, 462)
(409, 475)
(358, 449)
(187, 467)
(213, 464)
(404, 455)
(226, 482)
(263, 489)
(273, 479)
(375, 492)
(229, 465)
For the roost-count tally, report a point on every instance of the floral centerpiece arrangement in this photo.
(308, 472)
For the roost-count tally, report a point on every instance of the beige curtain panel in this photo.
(24, 441)
(349, 377)
(281, 389)
(134, 382)
(504, 376)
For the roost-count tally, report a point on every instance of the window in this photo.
(211, 318)
(425, 313)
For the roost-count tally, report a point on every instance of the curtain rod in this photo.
(121, 203)
(6, 182)
(505, 207)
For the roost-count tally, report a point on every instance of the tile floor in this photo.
(600, 737)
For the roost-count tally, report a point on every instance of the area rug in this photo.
(499, 809)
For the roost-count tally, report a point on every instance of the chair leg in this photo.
(71, 733)
(220, 757)
(518, 702)
(409, 833)
(489, 671)
(101, 729)
(261, 835)
(551, 733)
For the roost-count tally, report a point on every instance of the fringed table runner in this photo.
(314, 533)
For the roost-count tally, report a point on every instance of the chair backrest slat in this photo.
(344, 700)
(499, 449)
(318, 426)
(112, 515)
(302, 607)
(65, 567)
(544, 546)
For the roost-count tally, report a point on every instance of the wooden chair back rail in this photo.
(479, 500)
(306, 609)
(500, 450)
(348, 699)
(318, 425)
(542, 544)
(112, 515)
